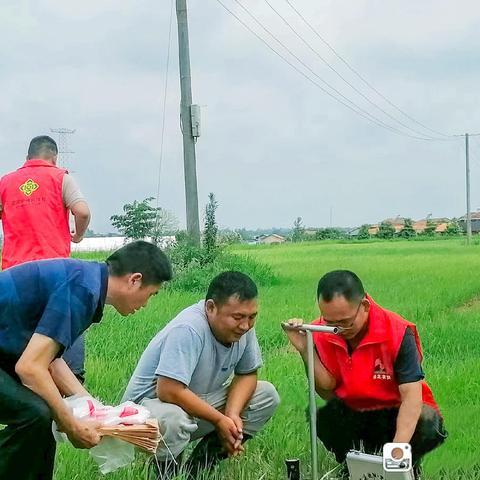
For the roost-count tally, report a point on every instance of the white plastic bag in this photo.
(110, 454)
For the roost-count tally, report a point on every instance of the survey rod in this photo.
(312, 406)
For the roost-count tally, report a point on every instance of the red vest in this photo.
(365, 379)
(35, 221)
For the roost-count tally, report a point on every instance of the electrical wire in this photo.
(162, 136)
(361, 77)
(350, 105)
(333, 69)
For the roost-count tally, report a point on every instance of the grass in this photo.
(435, 284)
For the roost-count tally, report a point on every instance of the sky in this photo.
(274, 146)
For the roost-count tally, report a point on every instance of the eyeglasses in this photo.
(346, 323)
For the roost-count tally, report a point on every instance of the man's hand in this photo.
(83, 434)
(75, 238)
(239, 424)
(229, 435)
(296, 337)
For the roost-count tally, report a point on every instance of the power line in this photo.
(361, 77)
(365, 97)
(353, 107)
(162, 136)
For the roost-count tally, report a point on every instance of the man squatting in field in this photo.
(198, 376)
(44, 306)
(370, 374)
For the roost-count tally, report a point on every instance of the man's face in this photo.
(350, 316)
(231, 320)
(134, 295)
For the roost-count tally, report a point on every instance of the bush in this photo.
(194, 267)
(330, 234)
(386, 230)
(196, 278)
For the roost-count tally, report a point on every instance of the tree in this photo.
(210, 229)
(430, 228)
(453, 228)
(329, 234)
(298, 231)
(142, 220)
(363, 232)
(166, 223)
(407, 231)
(386, 230)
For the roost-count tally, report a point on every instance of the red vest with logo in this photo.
(35, 221)
(366, 379)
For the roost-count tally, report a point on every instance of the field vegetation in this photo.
(435, 284)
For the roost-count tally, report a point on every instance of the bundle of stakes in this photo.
(145, 436)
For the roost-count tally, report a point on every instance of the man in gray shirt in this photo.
(198, 377)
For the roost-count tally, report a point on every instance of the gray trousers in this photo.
(179, 428)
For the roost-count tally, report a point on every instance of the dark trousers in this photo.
(27, 447)
(341, 429)
(75, 358)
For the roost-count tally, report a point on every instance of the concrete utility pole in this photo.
(193, 227)
(467, 174)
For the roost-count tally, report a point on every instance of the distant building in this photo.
(418, 225)
(108, 244)
(475, 216)
(270, 239)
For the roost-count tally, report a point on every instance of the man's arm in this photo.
(74, 200)
(409, 412)
(239, 393)
(172, 391)
(66, 382)
(33, 370)
(325, 383)
(81, 214)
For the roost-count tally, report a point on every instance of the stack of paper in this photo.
(145, 436)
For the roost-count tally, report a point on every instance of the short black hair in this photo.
(141, 257)
(340, 283)
(231, 283)
(42, 147)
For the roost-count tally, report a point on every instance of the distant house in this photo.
(419, 225)
(397, 223)
(475, 216)
(441, 224)
(269, 239)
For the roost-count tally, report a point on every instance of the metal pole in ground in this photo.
(312, 406)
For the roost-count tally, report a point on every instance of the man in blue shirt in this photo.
(44, 306)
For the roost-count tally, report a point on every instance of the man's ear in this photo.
(366, 305)
(135, 279)
(210, 305)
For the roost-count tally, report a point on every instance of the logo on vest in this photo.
(379, 371)
(28, 187)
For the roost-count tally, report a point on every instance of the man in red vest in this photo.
(370, 375)
(35, 204)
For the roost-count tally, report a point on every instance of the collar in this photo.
(37, 162)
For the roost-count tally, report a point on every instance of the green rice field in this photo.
(435, 284)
